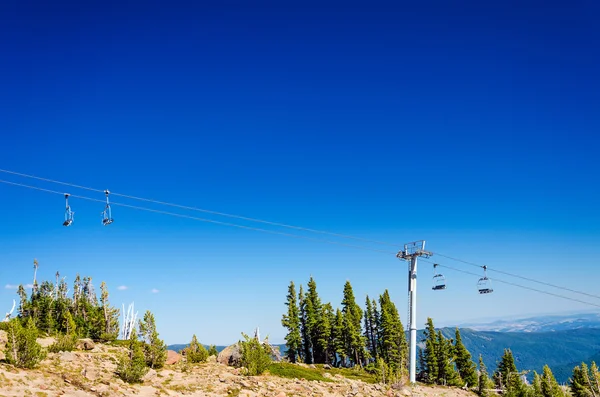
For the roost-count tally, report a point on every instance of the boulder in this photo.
(150, 375)
(46, 342)
(172, 357)
(85, 344)
(231, 355)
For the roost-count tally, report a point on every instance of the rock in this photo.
(312, 366)
(151, 374)
(405, 391)
(45, 342)
(231, 355)
(211, 359)
(66, 356)
(85, 344)
(89, 374)
(172, 357)
(3, 337)
(326, 366)
(281, 394)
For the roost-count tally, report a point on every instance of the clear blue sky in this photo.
(473, 125)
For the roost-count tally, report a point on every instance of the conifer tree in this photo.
(132, 366)
(352, 325)
(195, 352)
(464, 364)
(484, 380)
(339, 346)
(506, 370)
(212, 351)
(314, 322)
(304, 327)
(549, 385)
(391, 337)
(291, 321)
(585, 381)
(323, 333)
(446, 373)
(368, 330)
(110, 315)
(22, 349)
(155, 349)
(430, 354)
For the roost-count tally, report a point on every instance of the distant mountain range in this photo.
(545, 323)
(561, 341)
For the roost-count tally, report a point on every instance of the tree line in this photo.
(374, 338)
(344, 336)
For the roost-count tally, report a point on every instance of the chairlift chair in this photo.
(439, 281)
(106, 214)
(484, 285)
(69, 215)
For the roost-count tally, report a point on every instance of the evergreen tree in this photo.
(155, 349)
(536, 385)
(484, 380)
(507, 377)
(430, 354)
(368, 328)
(195, 352)
(304, 327)
(291, 321)
(585, 381)
(132, 366)
(446, 374)
(352, 325)
(22, 349)
(314, 322)
(323, 333)
(339, 346)
(464, 364)
(549, 385)
(212, 351)
(392, 340)
(110, 315)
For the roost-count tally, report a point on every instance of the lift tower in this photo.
(410, 254)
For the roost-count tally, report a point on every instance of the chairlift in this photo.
(484, 285)
(106, 214)
(69, 215)
(439, 281)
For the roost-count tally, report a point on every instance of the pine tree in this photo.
(392, 340)
(431, 351)
(323, 333)
(549, 385)
(212, 351)
(132, 366)
(339, 346)
(291, 321)
(110, 316)
(368, 329)
(155, 349)
(585, 381)
(22, 349)
(446, 373)
(352, 325)
(304, 327)
(464, 364)
(507, 377)
(195, 352)
(484, 380)
(314, 321)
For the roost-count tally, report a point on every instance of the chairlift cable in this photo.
(206, 220)
(520, 277)
(519, 285)
(224, 214)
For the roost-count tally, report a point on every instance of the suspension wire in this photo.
(224, 214)
(520, 277)
(518, 285)
(206, 220)
(284, 233)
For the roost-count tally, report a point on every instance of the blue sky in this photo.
(473, 126)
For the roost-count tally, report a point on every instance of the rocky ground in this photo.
(92, 373)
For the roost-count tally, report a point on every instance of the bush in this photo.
(64, 343)
(212, 351)
(22, 349)
(195, 352)
(132, 367)
(256, 357)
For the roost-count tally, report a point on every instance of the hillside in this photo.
(559, 349)
(546, 323)
(92, 374)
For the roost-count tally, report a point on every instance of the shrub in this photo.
(256, 357)
(132, 366)
(64, 343)
(22, 349)
(212, 351)
(195, 352)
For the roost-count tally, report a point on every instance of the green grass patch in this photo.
(351, 373)
(293, 371)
